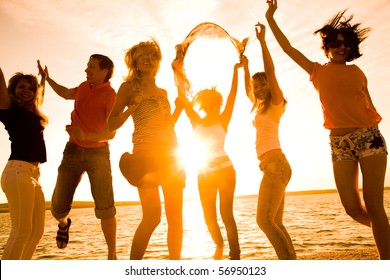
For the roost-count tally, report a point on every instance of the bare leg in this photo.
(109, 230)
(346, 177)
(373, 170)
(173, 200)
(151, 216)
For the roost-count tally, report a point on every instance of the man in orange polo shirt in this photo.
(87, 150)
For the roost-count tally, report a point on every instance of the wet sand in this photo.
(364, 254)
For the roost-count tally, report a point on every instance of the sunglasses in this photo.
(337, 43)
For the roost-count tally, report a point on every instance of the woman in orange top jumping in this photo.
(351, 118)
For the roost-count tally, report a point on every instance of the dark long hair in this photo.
(342, 25)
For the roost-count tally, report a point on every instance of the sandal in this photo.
(62, 237)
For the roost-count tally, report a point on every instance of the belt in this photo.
(217, 167)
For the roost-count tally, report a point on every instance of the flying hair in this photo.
(353, 33)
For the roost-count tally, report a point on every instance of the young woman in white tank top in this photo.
(216, 173)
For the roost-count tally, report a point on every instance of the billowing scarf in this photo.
(207, 29)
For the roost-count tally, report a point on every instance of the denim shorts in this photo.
(168, 169)
(362, 142)
(75, 162)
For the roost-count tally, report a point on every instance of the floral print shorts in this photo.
(360, 143)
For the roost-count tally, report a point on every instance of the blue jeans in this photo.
(26, 203)
(276, 175)
(76, 161)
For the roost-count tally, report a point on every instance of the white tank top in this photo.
(211, 140)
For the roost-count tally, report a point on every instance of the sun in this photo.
(209, 62)
(193, 153)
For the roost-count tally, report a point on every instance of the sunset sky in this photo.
(63, 34)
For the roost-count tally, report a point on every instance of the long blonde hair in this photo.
(133, 76)
(150, 47)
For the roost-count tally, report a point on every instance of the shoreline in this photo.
(90, 204)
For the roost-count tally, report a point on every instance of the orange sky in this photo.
(62, 34)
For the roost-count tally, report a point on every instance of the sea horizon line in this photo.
(90, 204)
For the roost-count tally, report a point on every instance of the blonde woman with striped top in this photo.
(153, 161)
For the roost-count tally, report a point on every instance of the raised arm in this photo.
(178, 109)
(269, 68)
(62, 91)
(192, 115)
(226, 115)
(284, 43)
(5, 101)
(247, 78)
(120, 114)
(182, 101)
(42, 73)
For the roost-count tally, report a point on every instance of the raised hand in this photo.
(272, 6)
(44, 73)
(260, 31)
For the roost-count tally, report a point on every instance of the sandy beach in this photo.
(319, 227)
(364, 254)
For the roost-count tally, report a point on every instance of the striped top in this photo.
(153, 125)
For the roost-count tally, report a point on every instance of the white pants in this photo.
(26, 204)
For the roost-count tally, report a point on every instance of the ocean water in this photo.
(316, 223)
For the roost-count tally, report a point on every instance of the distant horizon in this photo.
(69, 33)
(89, 203)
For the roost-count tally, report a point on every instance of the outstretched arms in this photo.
(284, 43)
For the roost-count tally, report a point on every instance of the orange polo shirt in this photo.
(92, 107)
(344, 96)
